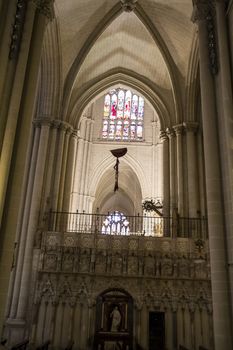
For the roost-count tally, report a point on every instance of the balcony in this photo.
(119, 224)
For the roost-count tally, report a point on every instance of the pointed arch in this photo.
(108, 163)
(120, 76)
(103, 24)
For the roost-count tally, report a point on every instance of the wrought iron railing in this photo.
(117, 224)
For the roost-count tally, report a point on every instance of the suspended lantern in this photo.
(119, 152)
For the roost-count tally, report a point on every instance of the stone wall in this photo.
(161, 274)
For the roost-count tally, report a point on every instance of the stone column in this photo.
(180, 178)
(21, 109)
(225, 120)
(33, 218)
(50, 167)
(22, 229)
(166, 174)
(84, 165)
(63, 169)
(11, 89)
(78, 168)
(91, 124)
(70, 171)
(172, 157)
(193, 193)
(58, 170)
(204, 15)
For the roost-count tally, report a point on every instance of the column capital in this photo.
(42, 121)
(178, 129)
(202, 9)
(128, 5)
(45, 7)
(163, 136)
(191, 126)
(170, 133)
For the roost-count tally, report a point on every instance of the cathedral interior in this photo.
(116, 174)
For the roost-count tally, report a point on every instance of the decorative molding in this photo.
(204, 10)
(163, 136)
(45, 7)
(191, 126)
(128, 5)
(178, 129)
(17, 29)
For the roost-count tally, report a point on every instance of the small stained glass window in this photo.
(123, 116)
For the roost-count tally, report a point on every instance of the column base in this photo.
(14, 331)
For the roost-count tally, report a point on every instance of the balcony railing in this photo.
(118, 224)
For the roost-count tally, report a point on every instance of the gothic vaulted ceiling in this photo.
(154, 41)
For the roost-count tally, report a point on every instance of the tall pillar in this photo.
(180, 176)
(193, 193)
(166, 174)
(63, 169)
(21, 109)
(204, 16)
(70, 171)
(172, 157)
(11, 89)
(50, 167)
(84, 165)
(33, 219)
(78, 168)
(91, 125)
(225, 120)
(22, 227)
(58, 170)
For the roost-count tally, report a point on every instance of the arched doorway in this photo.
(114, 321)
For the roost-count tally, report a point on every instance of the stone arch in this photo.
(126, 77)
(103, 24)
(108, 163)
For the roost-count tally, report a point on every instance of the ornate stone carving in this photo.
(17, 28)
(128, 5)
(205, 10)
(45, 7)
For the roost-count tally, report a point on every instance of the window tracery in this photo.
(123, 116)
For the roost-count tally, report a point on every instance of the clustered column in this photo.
(204, 15)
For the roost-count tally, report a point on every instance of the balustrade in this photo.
(119, 224)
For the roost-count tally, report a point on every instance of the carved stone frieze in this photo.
(158, 295)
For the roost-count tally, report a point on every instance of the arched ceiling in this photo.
(154, 41)
(125, 43)
(129, 187)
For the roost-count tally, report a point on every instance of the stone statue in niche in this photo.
(115, 317)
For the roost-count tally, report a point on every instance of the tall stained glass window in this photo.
(123, 116)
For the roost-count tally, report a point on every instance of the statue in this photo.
(115, 319)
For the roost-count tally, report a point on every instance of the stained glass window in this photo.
(115, 223)
(123, 116)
